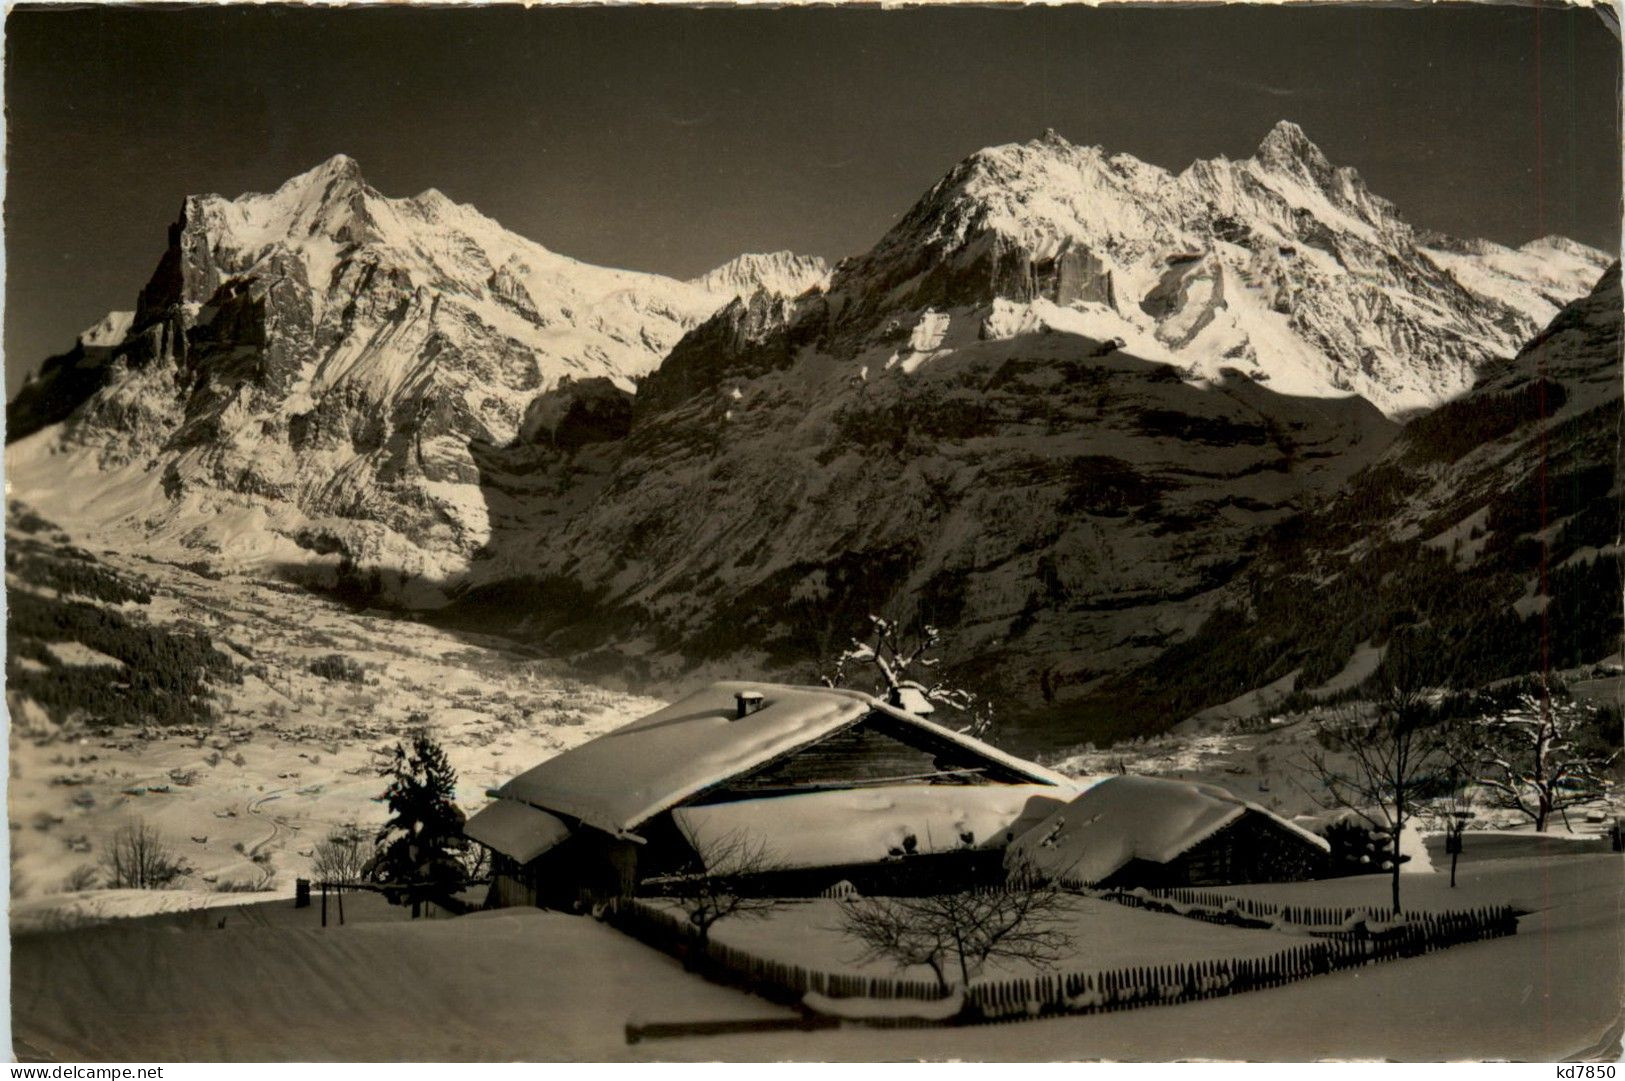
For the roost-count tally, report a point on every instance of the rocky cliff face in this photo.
(1062, 507)
(326, 356)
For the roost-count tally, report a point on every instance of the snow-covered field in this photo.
(1550, 992)
(271, 984)
(1104, 935)
(293, 754)
(511, 984)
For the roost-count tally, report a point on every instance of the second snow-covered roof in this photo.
(624, 777)
(1128, 818)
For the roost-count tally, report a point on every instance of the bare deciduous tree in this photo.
(956, 934)
(83, 877)
(1450, 812)
(139, 859)
(903, 662)
(718, 883)
(476, 863)
(343, 855)
(1378, 762)
(1542, 755)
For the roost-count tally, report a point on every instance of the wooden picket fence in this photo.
(1130, 987)
(1299, 915)
(1322, 921)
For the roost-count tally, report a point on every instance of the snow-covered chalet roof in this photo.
(1126, 818)
(517, 830)
(625, 777)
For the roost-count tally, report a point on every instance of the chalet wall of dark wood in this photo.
(878, 751)
(585, 870)
(1253, 848)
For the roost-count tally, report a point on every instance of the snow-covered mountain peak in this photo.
(339, 354)
(434, 204)
(1296, 170)
(338, 172)
(1286, 146)
(1283, 265)
(1049, 158)
(338, 180)
(340, 167)
(1034, 195)
(781, 272)
(1563, 246)
(311, 214)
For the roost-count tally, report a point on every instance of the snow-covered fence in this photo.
(1372, 942)
(1156, 985)
(1299, 915)
(1320, 921)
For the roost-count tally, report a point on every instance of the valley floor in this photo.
(524, 984)
(293, 754)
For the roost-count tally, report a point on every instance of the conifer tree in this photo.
(421, 845)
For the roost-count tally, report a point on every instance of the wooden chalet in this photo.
(1131, 831)
(830, 786)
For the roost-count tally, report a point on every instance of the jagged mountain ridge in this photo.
(780, 273)
(332, 352)
(1280, 265)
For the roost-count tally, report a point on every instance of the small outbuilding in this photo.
(1131, 831)
(831, 786)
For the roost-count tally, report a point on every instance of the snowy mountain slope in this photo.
(1549, 412)
(1533, 447)
(321, 357)
(108, 332)
(1062, 508)
(1486, 538)
(1536, 279)
(783, 273)
(1282, 265)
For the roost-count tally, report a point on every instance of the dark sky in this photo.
(671, 140)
